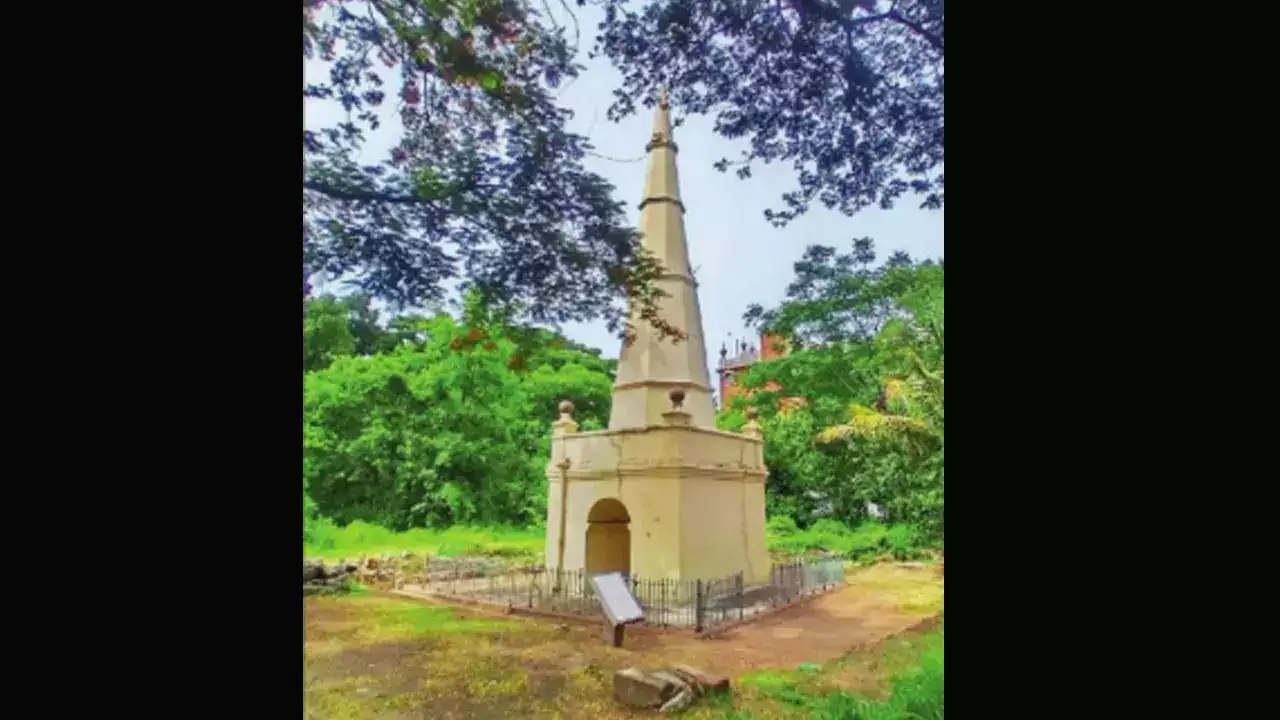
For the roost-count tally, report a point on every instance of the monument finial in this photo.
(661, 136)
(565, 425)
(752, 428)
(677, 415)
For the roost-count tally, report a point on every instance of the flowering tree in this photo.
(849, 92)
(485, 187)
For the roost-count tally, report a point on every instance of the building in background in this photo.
(744, 356)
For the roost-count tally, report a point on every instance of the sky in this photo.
(739, 257)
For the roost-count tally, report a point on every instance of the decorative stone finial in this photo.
(565, 424)
(677, 415)
(752, 428)
(661, 137)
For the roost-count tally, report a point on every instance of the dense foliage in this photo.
(484, 185)
(850, 92)
(450, 425)
(429, 422)
(869, 366)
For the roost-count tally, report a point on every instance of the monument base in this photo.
(664, 501)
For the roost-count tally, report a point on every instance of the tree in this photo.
(912, 352)
(420, 437)
(838, 297)
(554, 368)
(870, 368)
(485, 185)
(326, 332)
(445, 427)
(362, 318)
(324, 336)
(835, 307)
(849, 91)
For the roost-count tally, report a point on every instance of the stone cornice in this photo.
(687, 279)
(665, 470)
(665, 384)
(663, 428)
(662, 198)
(658, 141)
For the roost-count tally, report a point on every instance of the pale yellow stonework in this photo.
(661, 493)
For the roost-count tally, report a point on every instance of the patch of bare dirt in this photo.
(865, 673)
(866, 612)
(393, 663)
(880, 601)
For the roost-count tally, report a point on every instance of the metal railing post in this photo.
(697, 606)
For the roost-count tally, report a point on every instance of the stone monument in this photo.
(661, 493)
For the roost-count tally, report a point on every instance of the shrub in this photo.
(867, 542)
(782, 526)
(905, 542)
(326, 539)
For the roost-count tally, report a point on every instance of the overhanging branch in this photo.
(929, 37)
(360, 195)
(833, 14)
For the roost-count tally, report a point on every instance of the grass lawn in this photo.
(332, 543)
(898, 679)
(525, 544)
(370, 656)
(374, 656)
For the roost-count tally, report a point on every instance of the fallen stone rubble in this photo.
(319, 578)
(669, 689)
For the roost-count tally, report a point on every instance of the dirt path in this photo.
(879, 602)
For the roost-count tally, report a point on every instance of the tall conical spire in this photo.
(650, 368)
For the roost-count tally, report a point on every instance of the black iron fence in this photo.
(698, 604)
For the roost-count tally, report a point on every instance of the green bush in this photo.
(782, 526)
(326, 539)
(867, 542)
(454, 428)
(905, 542)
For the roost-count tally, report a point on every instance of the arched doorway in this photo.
(608, 537)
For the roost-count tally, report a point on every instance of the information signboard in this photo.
(619, 604)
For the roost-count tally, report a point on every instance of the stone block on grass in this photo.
(705, 681)
(636, 688)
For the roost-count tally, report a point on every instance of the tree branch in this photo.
(932, 39)
(360, 195)
(897, 17)
(868, 19)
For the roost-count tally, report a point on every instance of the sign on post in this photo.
(620, 606)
